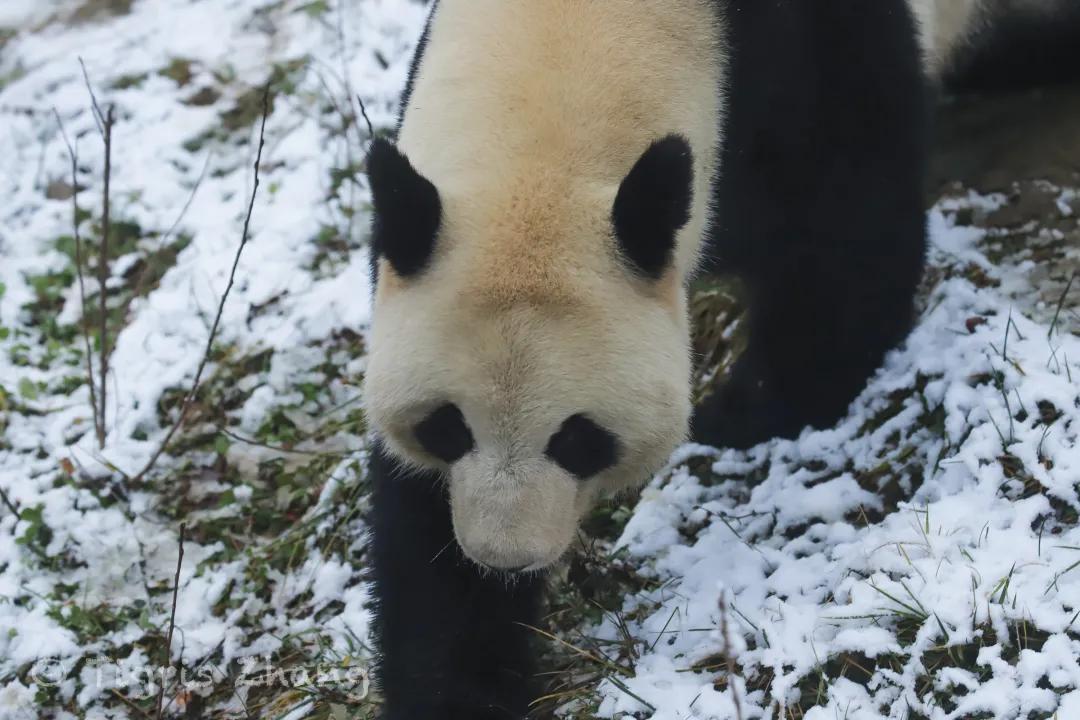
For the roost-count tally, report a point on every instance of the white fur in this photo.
(527, 115)
(944, 25)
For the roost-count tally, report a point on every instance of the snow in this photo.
(836, 586)
(810, 564)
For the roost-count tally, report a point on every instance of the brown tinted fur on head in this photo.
(569, 94)
(525, 250)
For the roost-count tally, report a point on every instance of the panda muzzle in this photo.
(517, 521)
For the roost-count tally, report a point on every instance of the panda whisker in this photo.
(439, 554)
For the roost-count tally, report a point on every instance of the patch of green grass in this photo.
(342, 176)
(179, 70)
(94, 10)
(272, 521)
(271, 515)
(37, 534)
(314, 9)
(60, 342)
(203, 97)
(17, 72)
(128, 82)
(246, 107)
(57, 340)
(277, 499)
(219, 395)
(866, 671)
(6, 33)
(332, 251)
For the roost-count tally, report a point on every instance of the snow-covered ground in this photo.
(917, 561)
(937, 521)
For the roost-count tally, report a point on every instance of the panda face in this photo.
(530, 342)
(531, 411)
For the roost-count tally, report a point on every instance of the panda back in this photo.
(1017, 44)
(999, 44)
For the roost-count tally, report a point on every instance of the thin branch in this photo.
(99, 117)
(1061, 304)
(10, 505)
(190, 397)
(284, 451)
(120, 696)
(187, 206)
(105, 122)
(163, 242)
(172, 620)
(363, 112)
(103, 273)
(99, 430)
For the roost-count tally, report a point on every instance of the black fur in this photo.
(408, 211)
(653, 204)
(1021, 49)
(414, 68)
(445, 434)
(418, 56)
(583, 448)
(819, 206)
(452, 641)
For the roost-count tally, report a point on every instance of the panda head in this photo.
(530, 338)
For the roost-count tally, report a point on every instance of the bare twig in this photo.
(1061, 304)
(99, 117)
(10, 505)
(105, 122)
(135, 708)
(103, 273)
(172, 620)
(99, 430)
(163, 242)
(363, 112)
(244, 237)
(729, 656)
(278, 449)
(191, 198)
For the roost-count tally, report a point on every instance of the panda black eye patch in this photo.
(444, 434)
(583, 448)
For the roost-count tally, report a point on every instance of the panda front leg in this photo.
(825, 306)
(816, 336)
(452, 640)
(820, 208)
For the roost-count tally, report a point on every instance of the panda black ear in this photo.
(653, 204)
(408, 211)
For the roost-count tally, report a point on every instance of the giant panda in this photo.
(561, 171)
